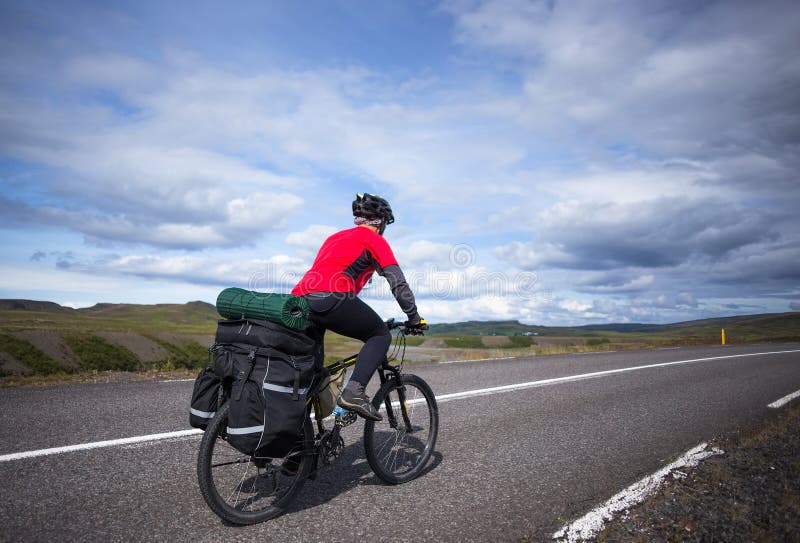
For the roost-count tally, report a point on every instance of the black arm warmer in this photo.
(401, 290)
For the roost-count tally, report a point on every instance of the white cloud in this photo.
(90, 287)
(261, 211)
(109, 70)
(649, 181)
(444, 310)
(468, 284)
(199, 137)
(423, 252)
(243, 221)
(532, 256)
(574, 306)
(643, 154)
(279, 272)
(310, 239)
(652, 234)
(608, 285)
(671, 78)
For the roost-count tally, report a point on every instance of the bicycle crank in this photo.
(330, 447)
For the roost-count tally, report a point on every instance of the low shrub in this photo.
(464, 342)
(520, 342)
(190, 356)
(414, 341)
(26, 353)
(595, 341)
(97, 353)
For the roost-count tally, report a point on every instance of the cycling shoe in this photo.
(358, 402)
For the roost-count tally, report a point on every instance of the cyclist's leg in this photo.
(317, 332)
(353, 318)
(320, 304)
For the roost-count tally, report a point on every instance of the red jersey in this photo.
(346, 261)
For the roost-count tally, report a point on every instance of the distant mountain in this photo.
(188, 313)
(137, 309)
(486, 328)
(765, 321)
(192, 313)
(34, 305)
(784, 324)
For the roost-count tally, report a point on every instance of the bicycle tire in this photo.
(245, 490)
(394, 454)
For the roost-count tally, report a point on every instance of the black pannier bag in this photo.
(267, 371)
(205, 398)
(265, 334)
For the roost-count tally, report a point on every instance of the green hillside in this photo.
(44, 338)
(190, 318)
(192, 314)
(772, 326)
(33, 305)
(484, 328)
(41, 338)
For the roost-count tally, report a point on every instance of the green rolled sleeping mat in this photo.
(286, 309)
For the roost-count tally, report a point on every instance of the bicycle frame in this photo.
(385, 372)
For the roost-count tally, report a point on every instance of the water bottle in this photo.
(341, 411)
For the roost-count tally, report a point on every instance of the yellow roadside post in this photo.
(723, 336)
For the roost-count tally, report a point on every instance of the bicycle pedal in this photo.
(347, 419)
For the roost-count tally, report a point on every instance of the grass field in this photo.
(42, 338)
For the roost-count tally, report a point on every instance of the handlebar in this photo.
(408, 329)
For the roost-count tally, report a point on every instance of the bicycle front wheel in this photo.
(245, 489)
(399, 446)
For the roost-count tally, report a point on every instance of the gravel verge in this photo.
(749, 493)
(94, 377)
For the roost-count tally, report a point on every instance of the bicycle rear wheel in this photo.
(399, 446)
(243, 489)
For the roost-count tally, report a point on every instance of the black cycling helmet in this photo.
(372, 207)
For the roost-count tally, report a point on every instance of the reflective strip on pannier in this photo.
(248, 430)
(205, 398)
(202, 414)
(288, 390)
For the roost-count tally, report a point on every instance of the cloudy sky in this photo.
(553, 162)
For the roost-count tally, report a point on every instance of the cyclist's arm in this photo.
(401, 290)
(386, 265)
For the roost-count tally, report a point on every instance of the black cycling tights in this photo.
(347, 315)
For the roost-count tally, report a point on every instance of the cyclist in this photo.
(344, 264)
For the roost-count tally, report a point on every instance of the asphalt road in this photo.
(508, 465)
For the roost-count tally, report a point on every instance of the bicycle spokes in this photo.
(244, 489)
(399, 446)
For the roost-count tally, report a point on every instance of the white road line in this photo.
(592, 522)
(440, 399)
(177, 380)
(555, 380)
(783, 401)
(477, 360)
(97, 445)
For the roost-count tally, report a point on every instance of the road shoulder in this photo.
(751, 492)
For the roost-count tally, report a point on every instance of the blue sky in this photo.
(553, 162)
